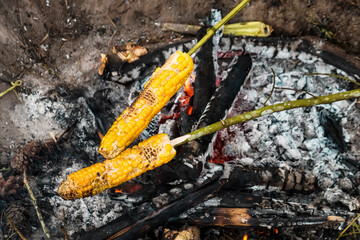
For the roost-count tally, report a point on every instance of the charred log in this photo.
(125, 228)
(244, 217)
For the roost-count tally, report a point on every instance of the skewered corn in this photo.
(132, 162)
(162, 85)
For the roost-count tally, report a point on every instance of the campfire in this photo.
(286, 174)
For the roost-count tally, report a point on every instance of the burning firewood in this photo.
(244, 217)
(130, 228)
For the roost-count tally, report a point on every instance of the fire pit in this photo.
(282, 171)
(291, 174)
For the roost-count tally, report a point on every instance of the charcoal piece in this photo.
(226, 91)
(333, 129)
(102, 114)
(224, 95)
(114, 65)
(129, 228)
(205, 84)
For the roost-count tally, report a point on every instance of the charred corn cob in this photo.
(132, 162)
(162, 85)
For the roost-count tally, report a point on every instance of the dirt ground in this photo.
(54, 46)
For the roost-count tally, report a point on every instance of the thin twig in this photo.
(18, 97)
(44, 228)
(273, 87)
(333, 75)
(16, 37)
(327, 99)
(14, 227)
(296, 90)
(352, 222)
(116, 29)
(64, 231)
(211, 31)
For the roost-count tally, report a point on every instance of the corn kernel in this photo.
(127, 165)
(172, 68)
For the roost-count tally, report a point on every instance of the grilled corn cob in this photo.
(132, 162)
(162, 85)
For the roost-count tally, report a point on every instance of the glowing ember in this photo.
(188, 93)
(218, 156)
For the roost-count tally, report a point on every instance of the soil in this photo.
(54, 46)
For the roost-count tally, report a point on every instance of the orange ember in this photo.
(100, 135)
(188, 93)
(129, 188)
(218, 156)
(189, 110)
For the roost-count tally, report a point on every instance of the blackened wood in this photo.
(142, 218)
(333, 129)
(170, 211)
(245, 217)
(289, 180)
(226, 92)
(205, 84)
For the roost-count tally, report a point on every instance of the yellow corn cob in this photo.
(132, 162)
(162, 85)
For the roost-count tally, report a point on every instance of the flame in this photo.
(128, 188)
(188, 93)
(189, 110)
(276, 230)
(245, 237)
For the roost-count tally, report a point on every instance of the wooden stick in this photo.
(14, 227)
(246, 217)
(211, 31)
(326, 99)
(44, 228)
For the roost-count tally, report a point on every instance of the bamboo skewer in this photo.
(211, 31)
(327, 99)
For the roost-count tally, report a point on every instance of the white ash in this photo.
(295, 136)
(335, 195)
(82, 213)
(39, 113)
(161, 200)
(209, 171)
(212, 202)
